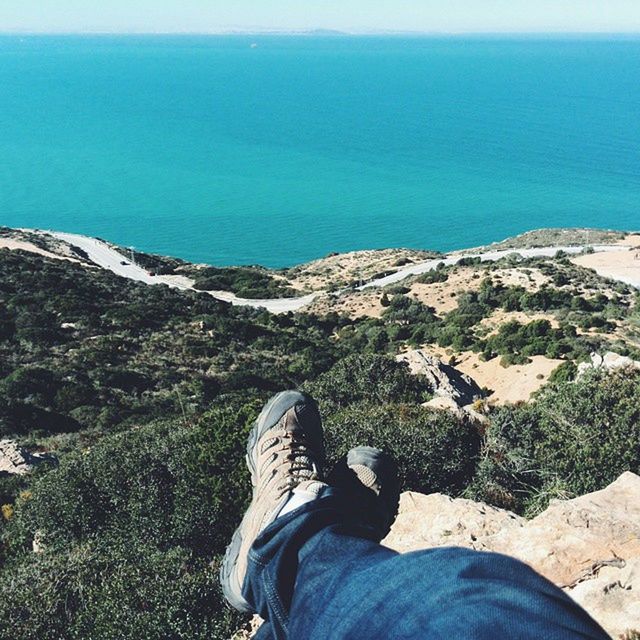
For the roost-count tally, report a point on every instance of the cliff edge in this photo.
(588, 546)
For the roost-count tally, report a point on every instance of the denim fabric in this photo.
(313, 574)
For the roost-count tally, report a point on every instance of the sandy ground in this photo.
(345, 268)
(530, 279)
(623, 266)
(632, 240)
(7, 243)
(509, 384)
(443, 296)
(360, 304)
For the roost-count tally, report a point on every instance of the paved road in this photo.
(487, 256)
(108, 258)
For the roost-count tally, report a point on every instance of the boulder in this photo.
(610, 361)
(588, 546)
(444, 380)
(15, 460)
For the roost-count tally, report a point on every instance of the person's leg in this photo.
(285, 455)
(317, 570)
(362, 498)
(317, 573)
(313, 578)
(350, 588)
(272, 568)
(291, 501)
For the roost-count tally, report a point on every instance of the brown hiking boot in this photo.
(285, 451)
(370, 476)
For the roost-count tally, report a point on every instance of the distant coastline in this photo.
(613, 255)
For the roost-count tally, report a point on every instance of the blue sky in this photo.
(349, 15)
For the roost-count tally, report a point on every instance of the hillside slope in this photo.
(131, 404)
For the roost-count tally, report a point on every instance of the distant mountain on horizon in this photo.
(257, 31)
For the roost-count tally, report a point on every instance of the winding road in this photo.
(107, 257)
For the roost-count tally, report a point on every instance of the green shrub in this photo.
(367, 378)
(243, 281)
(118, 589)
(397, 290)
(129, 528)
(566, 372)
(433, 276)
(573, 438)
(137, 353)
(35, 384)
(435, 450)
(590, 429)
(164, 484)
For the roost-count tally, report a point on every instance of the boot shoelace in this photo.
(293, 459)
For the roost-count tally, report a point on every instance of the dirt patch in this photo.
(443, 296)
(529, 279)
(618, 265)
(20, 245)
(632, 240)
(355, 304)
(508, 384)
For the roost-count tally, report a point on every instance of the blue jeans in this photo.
(313, 574)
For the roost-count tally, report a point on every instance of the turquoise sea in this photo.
(280, 149)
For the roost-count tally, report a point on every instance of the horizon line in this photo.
(316, 31)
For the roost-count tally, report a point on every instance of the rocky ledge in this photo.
(588, 546)
(16, 460)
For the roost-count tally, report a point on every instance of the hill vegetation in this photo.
(146, 395)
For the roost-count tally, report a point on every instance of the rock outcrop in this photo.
(589, 546)
(15, 460)
(444, 380)
(610, 361)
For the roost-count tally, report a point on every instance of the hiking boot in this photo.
(285, 451)
(370, 476)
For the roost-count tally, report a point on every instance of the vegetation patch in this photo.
(244, 282)
(147, 394)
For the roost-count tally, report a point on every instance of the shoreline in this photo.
(624, 268)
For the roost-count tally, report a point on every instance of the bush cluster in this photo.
(572, 439)
(245, 282)
(406, 320)
(84, 350)
(129, 528)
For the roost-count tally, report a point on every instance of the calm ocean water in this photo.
(216, 150)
